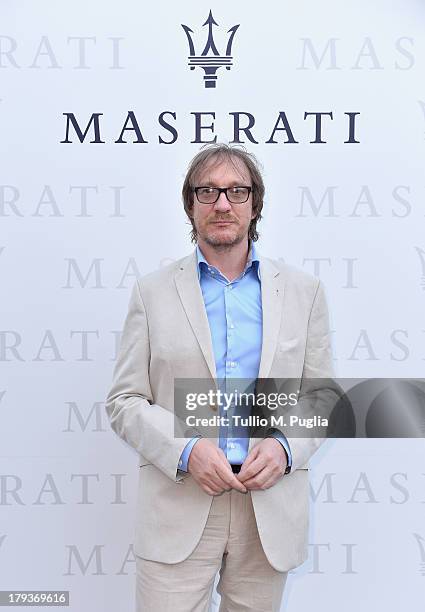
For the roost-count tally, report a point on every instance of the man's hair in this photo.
(214, 154)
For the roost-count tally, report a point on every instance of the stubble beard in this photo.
(222, 242)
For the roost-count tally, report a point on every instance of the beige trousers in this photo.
(229, 544)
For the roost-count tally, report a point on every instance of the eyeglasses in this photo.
(210, 195)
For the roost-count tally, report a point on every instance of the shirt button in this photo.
(231, 326)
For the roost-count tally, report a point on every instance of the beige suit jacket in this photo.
(166, 335)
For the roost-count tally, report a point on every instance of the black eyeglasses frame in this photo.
(221, 190)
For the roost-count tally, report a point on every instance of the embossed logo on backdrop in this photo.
(210, 59)
(421, 255)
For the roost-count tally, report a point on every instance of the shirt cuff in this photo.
(275, 433)
(184, 457)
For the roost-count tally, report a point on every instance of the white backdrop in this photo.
(80, 220)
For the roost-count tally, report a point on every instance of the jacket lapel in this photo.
(190, 294)
(272, 290)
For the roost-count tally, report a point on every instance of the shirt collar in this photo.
(252, 259)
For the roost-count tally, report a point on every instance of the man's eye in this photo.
(207, 190)
(236, 190)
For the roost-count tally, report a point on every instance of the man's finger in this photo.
(217, 481)
(251, 456)
(270, 482)
(229, 478)
(265, 479)
(249, 472)
(258, 480)
(249, 459)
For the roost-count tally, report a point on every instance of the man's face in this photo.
(223, 224)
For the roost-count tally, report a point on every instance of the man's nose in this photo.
(222, 203)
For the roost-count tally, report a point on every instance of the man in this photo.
(232, 504)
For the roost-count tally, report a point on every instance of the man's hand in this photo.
(264, 465)
(208, 465)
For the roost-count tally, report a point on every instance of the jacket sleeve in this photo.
(144, 425)
(318, 390)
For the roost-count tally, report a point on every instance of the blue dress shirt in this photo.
(234, 312)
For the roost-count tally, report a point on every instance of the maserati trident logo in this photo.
(210, 59)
